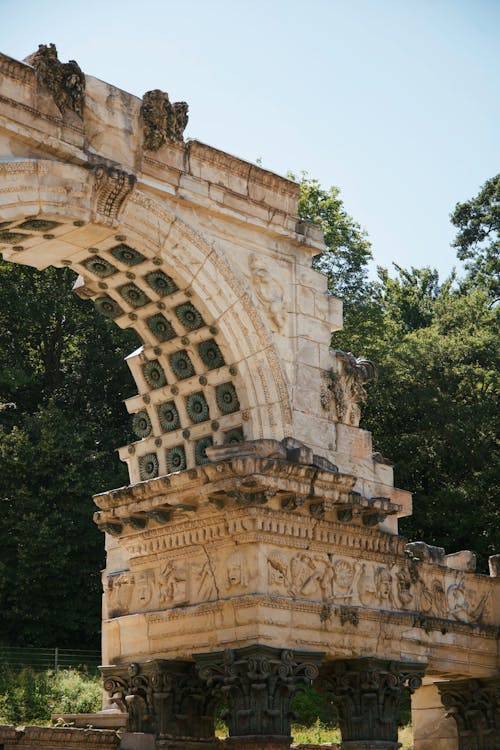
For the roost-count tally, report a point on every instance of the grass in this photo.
(29, 697)
(321, 734)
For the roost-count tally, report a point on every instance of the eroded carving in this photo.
(343, 390)
(475, 707)
(164, 698)
(237, 570)
(367, 694)
(163, 121)
(258, 683)
(65, 81)
(174, 584)
(112, 187)
(269, 291)
(119, 591)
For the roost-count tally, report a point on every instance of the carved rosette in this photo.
(475, 707)
(161, 697)
(257, 683)
(367, 694)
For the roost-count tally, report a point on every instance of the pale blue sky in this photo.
(395, 102)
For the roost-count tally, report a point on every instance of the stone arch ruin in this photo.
(256, 548)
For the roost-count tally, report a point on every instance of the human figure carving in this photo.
(237, 570)
(174, 584)
(269, 291)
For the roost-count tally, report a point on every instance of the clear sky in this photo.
(394, 101)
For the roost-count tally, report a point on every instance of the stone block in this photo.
(137, 741)
(111, 123)
(463, 560)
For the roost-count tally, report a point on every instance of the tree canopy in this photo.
(434, 408)
(478, 237)
(62, 382)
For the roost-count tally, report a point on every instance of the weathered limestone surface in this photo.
(432, 728)
(224, 231)
(57, 738)
(259, 525)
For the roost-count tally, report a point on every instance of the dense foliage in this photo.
(434, 408)
(30, 697)
(62, 382)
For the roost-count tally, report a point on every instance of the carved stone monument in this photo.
(256, 549)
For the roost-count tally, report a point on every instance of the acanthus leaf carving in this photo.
(163, 121)
(475, 707)
(162, 697)
(112, 186)
(343, 390)
(258, 683)
(65, 81)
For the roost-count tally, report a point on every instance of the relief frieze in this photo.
(366, 584)
(346, 583)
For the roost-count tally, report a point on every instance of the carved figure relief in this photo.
(338, 581)
(120, 589)
(345, 581)
(163, 121)
(145, 588)
(404, 586)
(277, 567)
(174, 584)
(305, 578)
(462, 605)
(343, 389)
(65, 81)
(237, 570)
(269, 292)
(383, 587)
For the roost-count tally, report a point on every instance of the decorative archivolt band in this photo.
(82, 203)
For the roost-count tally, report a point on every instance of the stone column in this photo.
(475, 706)
(257, 684)
(164, 698)
(367, 694)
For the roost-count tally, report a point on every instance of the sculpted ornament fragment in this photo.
(65, 81)
(269, 292)
(163, 121)
(343, 389)
(237, 570)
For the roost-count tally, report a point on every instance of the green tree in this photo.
(434, 408)
(348, 252)
(478, 237)
(62, 382)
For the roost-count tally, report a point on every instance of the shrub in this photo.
(29, 697)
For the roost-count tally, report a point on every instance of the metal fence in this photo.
(49, 658)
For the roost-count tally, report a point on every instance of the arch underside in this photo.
(207, 372)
